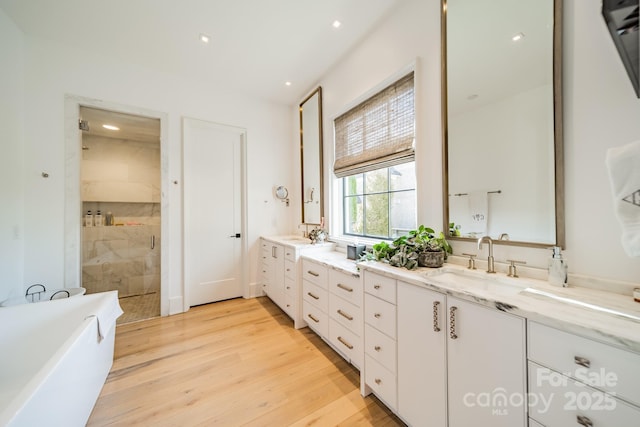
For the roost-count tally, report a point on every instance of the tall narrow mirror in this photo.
(502, 120)
(311, 157)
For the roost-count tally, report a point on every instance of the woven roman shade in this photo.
(377, 133)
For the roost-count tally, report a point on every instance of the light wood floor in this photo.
(235, 363)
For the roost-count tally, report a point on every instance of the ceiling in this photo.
(255, 45)
(130, 127)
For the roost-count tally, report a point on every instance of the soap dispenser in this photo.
(557, 268)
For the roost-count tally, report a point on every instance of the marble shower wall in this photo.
(120, 170)
(121, 258)
(122, 177)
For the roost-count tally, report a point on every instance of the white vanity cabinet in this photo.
(280, 278)
(332, 307)
(272, 259)
(458, 354)
(380, 343)
(486, 359)
(422, 364)
(575, 380)
(345, 315)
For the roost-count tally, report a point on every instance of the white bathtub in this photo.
(54, 359)
(44, 296)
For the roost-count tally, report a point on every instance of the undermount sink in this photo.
(476, 280)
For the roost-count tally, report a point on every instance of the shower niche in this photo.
(120, 178)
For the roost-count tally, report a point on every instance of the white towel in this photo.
(624, 173)
(478, 212)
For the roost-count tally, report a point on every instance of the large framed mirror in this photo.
(311, 157)
(502, 121)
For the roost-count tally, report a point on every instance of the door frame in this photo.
(73, 198)
(244, 249)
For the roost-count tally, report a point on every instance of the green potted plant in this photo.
(414, 249)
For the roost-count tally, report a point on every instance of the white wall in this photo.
(600, 111)
(53, 70)
(11, 180)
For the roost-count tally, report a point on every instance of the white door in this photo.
(212, 211)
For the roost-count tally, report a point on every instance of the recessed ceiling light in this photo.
(287, 83)
(111, 127)
(204, 38)
(336, 24)
(517, 37)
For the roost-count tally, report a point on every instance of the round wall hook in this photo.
(45, 175)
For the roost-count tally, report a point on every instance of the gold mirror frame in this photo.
(312, 194)
(558, 133)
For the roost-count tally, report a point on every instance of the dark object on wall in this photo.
(621, 17)
(354, 251)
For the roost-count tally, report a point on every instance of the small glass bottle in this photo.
(88, 219)
(97, 220)
(108, 220)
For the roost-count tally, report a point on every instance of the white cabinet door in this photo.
(275, 282)
(422, 368)
(486, 366)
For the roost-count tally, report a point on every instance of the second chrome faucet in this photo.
(490, 264)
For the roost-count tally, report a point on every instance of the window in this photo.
(374, 156)
(380, 203)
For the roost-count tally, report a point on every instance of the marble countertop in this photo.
(333, 259)
(298, 242)
(600, 315)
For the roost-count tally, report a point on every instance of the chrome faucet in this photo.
(490, 266)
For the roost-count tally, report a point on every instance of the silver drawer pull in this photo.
(377, 315)
(376, 286)
(344, 287)
(310, 316)
(377, 348)
(582, 361)
(345, 315)
(378, 381)
(452, 323)
(584, 421)
(436, 326)
(313, 273)
(312, 295)
(346, 344)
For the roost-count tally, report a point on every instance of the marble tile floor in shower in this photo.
(139, 307)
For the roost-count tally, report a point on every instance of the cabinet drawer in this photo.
(609, 368)
(346, 314)
(347, 286)
(381, 381)
(287, 305)
(289, 254)
(380, 347)
(380, 314)
(289, 287)
(558, 401)
(315, 295)
(380, 286)
(346, 342)
(315, 273)
(316, 319)
(290, 269)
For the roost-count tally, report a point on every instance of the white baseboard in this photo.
(175, 305)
